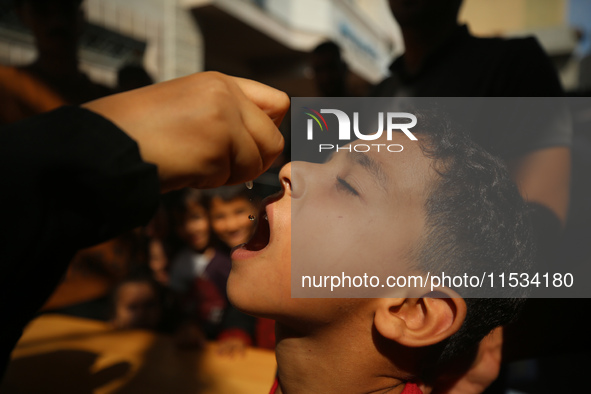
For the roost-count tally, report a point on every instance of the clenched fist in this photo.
(204, 130)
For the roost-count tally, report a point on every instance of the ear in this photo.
(418, 322)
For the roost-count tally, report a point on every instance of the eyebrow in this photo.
(374, 168)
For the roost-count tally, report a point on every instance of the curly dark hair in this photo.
(476, 221)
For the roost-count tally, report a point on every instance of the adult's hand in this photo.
(457, 378)
(204, 130)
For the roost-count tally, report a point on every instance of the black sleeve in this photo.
(70, 179)
(527, 71)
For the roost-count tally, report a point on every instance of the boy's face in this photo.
(229, 220)
(195, 227)
(357, 210)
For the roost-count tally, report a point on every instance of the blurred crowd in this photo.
(170, 276)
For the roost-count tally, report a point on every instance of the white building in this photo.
(263, 39)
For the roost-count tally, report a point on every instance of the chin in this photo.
(239, 296)
(248, 300)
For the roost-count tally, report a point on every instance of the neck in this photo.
(326, 362)
(421, 41)
(209, 252)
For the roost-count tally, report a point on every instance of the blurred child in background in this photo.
(233, 211)
(199, 273)
(158, 261)
(136, 303)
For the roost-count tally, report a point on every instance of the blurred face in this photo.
(329, 74)
(157, 255)
(354, 211)
(158, 260)
(423, 12)
(195, 228)
(56, 24)
(136, 306)
(230, 222)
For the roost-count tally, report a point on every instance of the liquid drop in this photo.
(249, 186)
(251, 217)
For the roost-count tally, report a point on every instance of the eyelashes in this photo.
(346, 187)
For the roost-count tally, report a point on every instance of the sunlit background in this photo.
(268, 39)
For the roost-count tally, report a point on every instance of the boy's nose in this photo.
(291, 181)
(285, 179)
(293, 178)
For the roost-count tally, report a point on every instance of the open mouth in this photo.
(261, 237)
(262, 234)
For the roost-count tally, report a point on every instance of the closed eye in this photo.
(345, 186)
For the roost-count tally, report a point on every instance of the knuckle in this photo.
(283, 100)
(280, 143)
(216, 85)
(214, 74)
(219, 117)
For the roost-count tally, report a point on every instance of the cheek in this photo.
(218, 225)
(203, 225)
(322, 233)
(123, 313)
(246, 223)
(189, 226)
